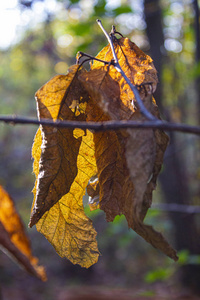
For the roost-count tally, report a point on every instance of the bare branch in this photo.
(103, 126)
(117, 66)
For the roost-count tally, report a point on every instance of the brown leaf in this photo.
(128, 161)
(135, 63)
(111, 166)
(105, 92)
(14, 239)
(144, 166)
(58, 159)
(109, 87)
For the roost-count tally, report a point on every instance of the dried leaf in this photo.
(14, 239)
(109, 160)
(135, 63)
(63, 164)
(143, 166)
(105, 92)
(128, 165)
(65, 225)
(113, 92)
(60, 148)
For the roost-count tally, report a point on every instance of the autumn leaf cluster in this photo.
(118, 168)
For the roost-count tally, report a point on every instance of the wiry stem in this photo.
(117, 66)
(89, 57)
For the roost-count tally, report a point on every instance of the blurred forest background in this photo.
(40, 38)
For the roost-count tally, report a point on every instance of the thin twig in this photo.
(82, 54)
(103, 126)
(115, 31)
(117, 66)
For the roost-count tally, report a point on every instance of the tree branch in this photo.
(103, 126)
(117, 66)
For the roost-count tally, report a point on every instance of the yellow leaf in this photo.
(63, 164)
(14, 239)
(65, 225)
(60, 148)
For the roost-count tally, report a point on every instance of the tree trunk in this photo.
(174, 176)
(197, 51)
(153, 18)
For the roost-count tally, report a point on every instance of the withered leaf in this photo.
(65, 224)
(64, 159)
(143, 166)
(128, 171)
(13, 237)
(111, 162)
(138, 66)
(112, 91)
(60, 148)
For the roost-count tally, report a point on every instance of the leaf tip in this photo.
(30, 225)
(175, 257)
(34, 218)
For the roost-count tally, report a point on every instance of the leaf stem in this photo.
(117, 66)
(82, 54)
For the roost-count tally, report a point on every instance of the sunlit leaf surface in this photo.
(59, 150)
